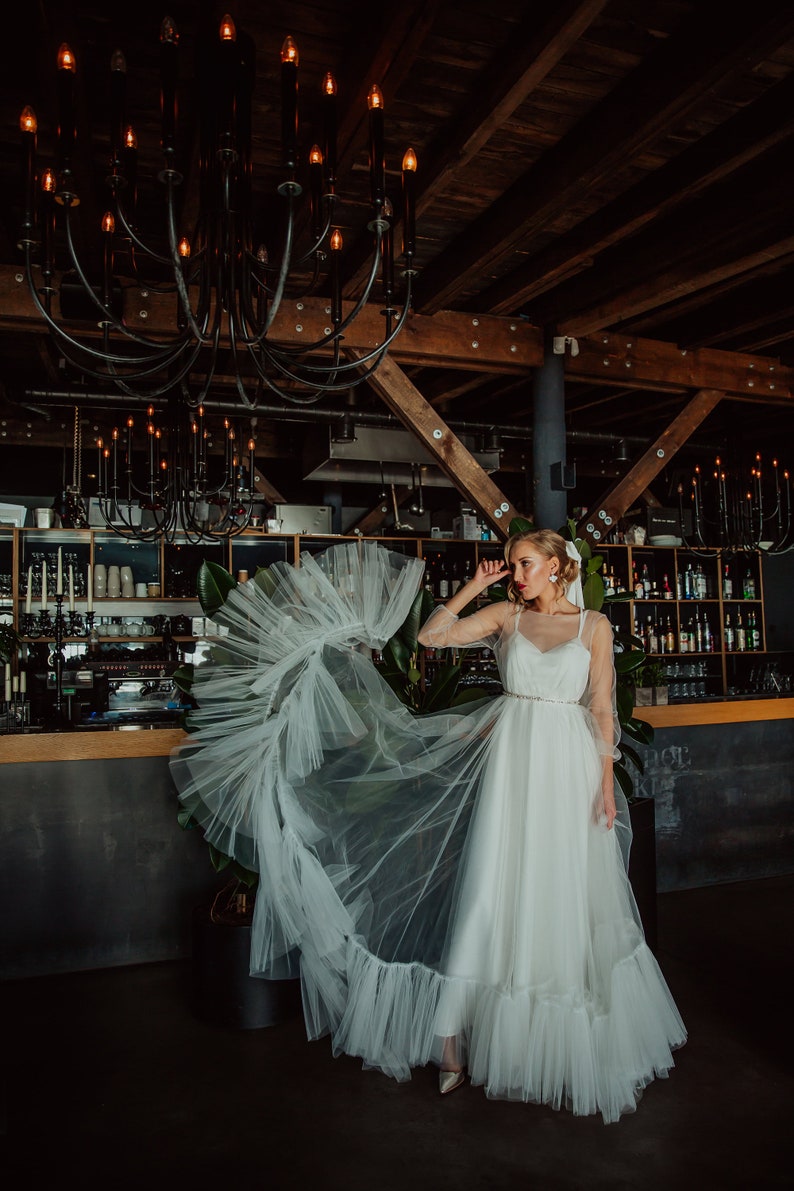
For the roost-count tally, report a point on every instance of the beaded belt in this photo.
(541, 698)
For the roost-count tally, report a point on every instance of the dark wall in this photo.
(778, 591)
(94, 869)
(724, 796)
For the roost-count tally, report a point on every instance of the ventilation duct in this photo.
(377, 455)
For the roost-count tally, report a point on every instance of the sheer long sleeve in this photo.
(444, 630)
(600, 695)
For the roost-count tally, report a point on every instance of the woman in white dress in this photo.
(451, 887)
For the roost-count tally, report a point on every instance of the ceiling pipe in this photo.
(35, 398)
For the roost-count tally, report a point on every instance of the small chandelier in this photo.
(176, 492)
(227, 285)
(739, 509)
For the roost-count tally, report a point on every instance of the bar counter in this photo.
(79, 745)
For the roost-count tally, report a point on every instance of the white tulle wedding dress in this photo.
(445, 881)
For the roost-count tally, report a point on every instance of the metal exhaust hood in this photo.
(377, 455)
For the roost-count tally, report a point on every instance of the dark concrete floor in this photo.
(111, 1081)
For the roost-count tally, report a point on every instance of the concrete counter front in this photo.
(721, 776)
(96, 872)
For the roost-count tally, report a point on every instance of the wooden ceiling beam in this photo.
(742, 139)
(620, 496)
(658, 93)
(447, 340)
(672, 260)
(458, 464)
(513, 75)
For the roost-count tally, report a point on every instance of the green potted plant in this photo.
(650, 685)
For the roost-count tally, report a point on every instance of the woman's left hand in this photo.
(610, 810)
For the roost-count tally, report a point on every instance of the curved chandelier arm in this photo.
(176, 264)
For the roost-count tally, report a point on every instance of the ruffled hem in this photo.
(527, 1045)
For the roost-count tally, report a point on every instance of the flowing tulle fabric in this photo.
(438, 881)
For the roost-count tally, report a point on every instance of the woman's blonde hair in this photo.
(553, 546)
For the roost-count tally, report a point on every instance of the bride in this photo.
(451, 888)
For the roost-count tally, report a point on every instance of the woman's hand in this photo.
(490, 571)
(610, 810)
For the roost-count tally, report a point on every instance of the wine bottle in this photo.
(729, 637)
(727, 583)
(670, 637)
(741, 638)
(443, 588)
(749, 585)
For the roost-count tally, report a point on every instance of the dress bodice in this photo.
(548, 664)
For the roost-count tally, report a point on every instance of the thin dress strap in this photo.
(581, 621)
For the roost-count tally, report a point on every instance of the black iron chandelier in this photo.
(739, 508)
(227, 283)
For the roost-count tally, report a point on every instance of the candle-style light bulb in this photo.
(66, 130)
(118, 95)
(409, 205)
(329, 130)
(377, 164)
(28, 126)
(336, 285)
(169, 40)
(289, 103)
(315, 188)
(228, 31)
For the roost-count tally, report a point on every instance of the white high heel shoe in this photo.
(449, 1080)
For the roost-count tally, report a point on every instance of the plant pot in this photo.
(642, 864)
(224, 991)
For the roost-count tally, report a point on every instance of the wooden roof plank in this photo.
(660, 91)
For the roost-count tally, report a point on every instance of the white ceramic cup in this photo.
(127, 583)
(141, 591)
(45, 518)
(114, 583)
(100, 581)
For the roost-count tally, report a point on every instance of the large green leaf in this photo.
(638, 730)
(593, 592)
(183, 677)
(624, 699)
(264, 579)
(421, 608)
(213, 585)
(520, 525)
(443, 688)
(629, 660)
(396, 655)
(633, 756)
(623, 778)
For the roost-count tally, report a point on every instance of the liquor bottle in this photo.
(708, 639)
(646, 580)
(639, 633)
(729, 637)
(468, 571)
(670, 635)
(653, 636)
(667, 591)
(727, 583)
(454, 577)
(689, 582)
(444, 587)
(755, 632)
(749, 585)
(683, 639)
(700, 582)
(639, 590)
(609, 583)
(431, 572)
(698, 633)
(741, 636)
